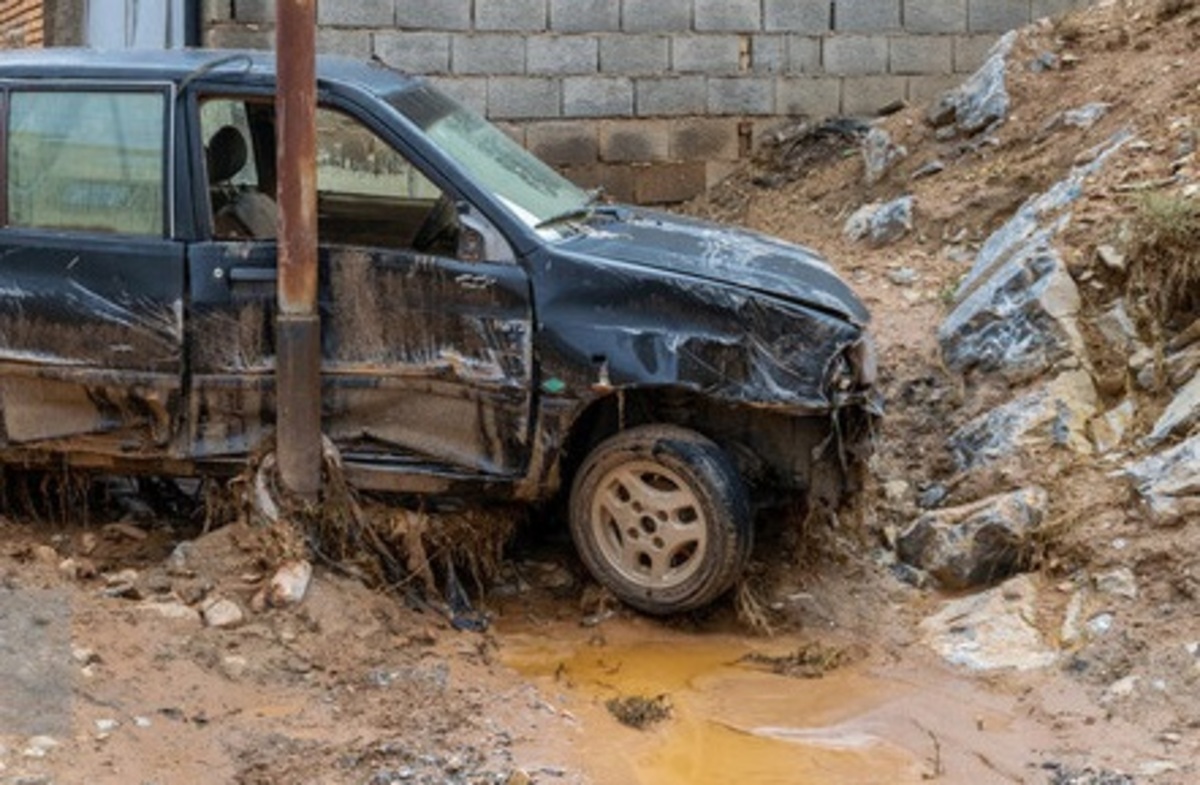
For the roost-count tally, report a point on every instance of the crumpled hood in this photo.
(719, 253)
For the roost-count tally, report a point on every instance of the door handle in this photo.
(252, 274)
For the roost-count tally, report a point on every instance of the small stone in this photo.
(936, 166)
(1122, 688)
(87, 543)
(289, 584)
(905, 276)
(123, 577)
(124, 529)
(107, 725)
(1100, 624)
(39, 746)
(895, 491)
(171, 610)
(1111, 258)
(223, 613)
(177, 562)
(45, 554)
(84, 656)
(142, 722)
(1118, 583)
(234, 666)
(519, 777)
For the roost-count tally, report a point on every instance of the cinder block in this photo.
(634, 141)
(706, 54)
(728, 15)
(518, 98)
(997, 16)
(240, 37)
(417, 53)
(557, 55)
(814, 97)
(669, 183)
(523, 15)
(716, 172)
(970, 52)
(768, 54)
(434, 14)
(616, 180)
(866, 95)
(935, 16)
(218, 10)
(356, 13)
(348, 42)
(488, 54)
(585, 16)
(671, 96)
(1044, 8)
(514, 131)
(854, 55)
(804, 54)
(741, 95)
(563, 142)
(704, 139)
(471, 91)
(923, 89)
(810, 17)
(866, 16)
(922, 54)
(653, 16)
(597, 96)
(254, 11)
(635, 54)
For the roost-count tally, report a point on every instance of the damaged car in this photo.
(488, 329)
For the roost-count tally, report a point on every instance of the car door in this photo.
(91, 280)
(426, 353)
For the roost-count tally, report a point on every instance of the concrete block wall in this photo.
(657, 99)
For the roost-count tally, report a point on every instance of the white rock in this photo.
(289, 584)
(1100, 624)
(223, 613)
(1109, 429)
(171, 610)
(39, 746)
(1122, 688)
(1118, 583)
(991, 630)
(1183, 412)
(106, 725)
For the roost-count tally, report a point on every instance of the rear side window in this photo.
(87, 161)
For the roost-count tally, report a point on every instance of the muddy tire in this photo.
(660, 517)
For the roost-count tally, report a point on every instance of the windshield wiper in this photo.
(579, 213)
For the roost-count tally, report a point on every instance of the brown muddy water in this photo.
(730, 721)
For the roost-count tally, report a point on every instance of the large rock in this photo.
(991, 630)
(982, 100)
(880, 154)
(1169, 481)
(976, 544)
(881, 224)
(1055, 414)
(1181, 414)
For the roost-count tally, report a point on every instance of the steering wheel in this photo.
(441, 224)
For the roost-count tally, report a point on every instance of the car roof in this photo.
(176, 65)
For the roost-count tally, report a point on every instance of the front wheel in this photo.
(660, 517)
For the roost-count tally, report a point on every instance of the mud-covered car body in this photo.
(470, 342)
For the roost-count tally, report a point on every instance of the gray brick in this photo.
(563, 142)
(935, 16)
(637, 141)
(707, 54)
(704, 139)
(997, 16)
(852, 55)
(741, 95)
(218, 10)
(252, 10)
(514, 131)
(489, 53)
(797, 16)
(671, 96)
(522, 15)
(769, 54)
(585, 16)
(922, 54)
(417, 53)
(434, 14)
(728, 15)
(816, 98)
(356, 13)
(597, 96)
(804, 54)
(517, 98)
(240, 37)
(866, 95)
(923, 89)
(970, 51)
(634, 54)
(651, 16)
(471, 91)
(572, 54)
(1044, 8)
(669, 183)
(615, 179)
(351, 43)
(867, 16)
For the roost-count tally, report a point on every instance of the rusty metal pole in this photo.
(297, 325)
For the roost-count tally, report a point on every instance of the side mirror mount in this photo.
(479, 240)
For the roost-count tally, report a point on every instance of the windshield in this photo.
(531, 190)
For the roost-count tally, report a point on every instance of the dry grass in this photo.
(1165, 259)
(1169, 9)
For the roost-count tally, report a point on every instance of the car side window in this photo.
(240, 196)
(87, 161)
(369, 194)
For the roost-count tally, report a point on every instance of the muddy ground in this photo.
(110, 674)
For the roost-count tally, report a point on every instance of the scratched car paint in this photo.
(488, 329)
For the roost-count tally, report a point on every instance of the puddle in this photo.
(730, 722)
